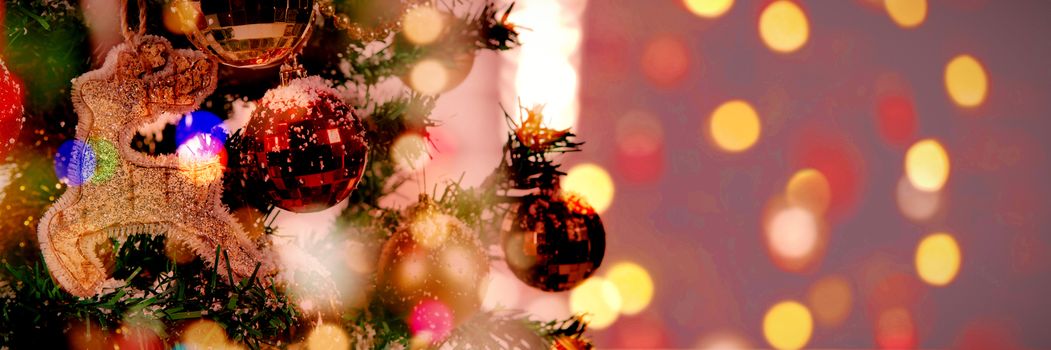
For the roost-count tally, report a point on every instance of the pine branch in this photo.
(153, 288)
(505, 329)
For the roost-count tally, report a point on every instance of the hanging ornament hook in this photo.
(125, 29)
(292, 70)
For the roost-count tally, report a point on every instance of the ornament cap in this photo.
(292, 70)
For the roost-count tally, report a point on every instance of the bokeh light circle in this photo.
(927, 165)
(328, 336)
(783, 26)
(640, 147)
(914, 203)
(792, 233)
(724, 340)
(75, 162)
(831, 299)
(966, 81)
(599, 300)
(938, 259)
(788, 325)
(708, 8)
(895, 329)
(665, 61)
(734, 126)
(808, 188)
(181, 17)
(431, 320)
(199, 122)
(429, 77)
(409, 152)
(906, 13)
(423, 25)
(107, 159)
(202, 159)
(634, 285)
(591, 182)
(897, 119)
(205, 334)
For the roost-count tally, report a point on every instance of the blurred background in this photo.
(784, 173)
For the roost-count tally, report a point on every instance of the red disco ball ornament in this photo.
(305, 145)
(553, 242)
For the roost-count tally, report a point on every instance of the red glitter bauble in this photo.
(305, 145)
(11, 110)
(553, 242)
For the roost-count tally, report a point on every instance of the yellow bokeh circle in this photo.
(788, 325)
(591, 182)
(966, 81)
(938, 259)
(328, 336)
(906, 13)
(708, 8)
(598, 300)
(634, 284)
(927, 165)
(783, 26)
(809, 188)
(734, 126)
(423, 25)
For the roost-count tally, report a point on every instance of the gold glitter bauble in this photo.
(434, 257)
(553, 242)
(139, 82)
(248, 34)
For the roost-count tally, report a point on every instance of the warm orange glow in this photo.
(938, 259)
(206, 334)
(809, 189)
(634, 284)
(423, 25)
(665, 61)
(966, 81)
(639, 133)
(927, 165)
(724, 340)
(734, 126)
(783, 26)
(831, 299)
(906, 13)
(788, 325)
(202, 159)
(895, 329)
(180, 17)
(328, 336)
(708, 8)
(916, 204)
(591, 182)
(599, 300)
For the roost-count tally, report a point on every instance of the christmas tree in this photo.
(142, 189)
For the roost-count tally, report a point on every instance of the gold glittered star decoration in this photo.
(140, 193)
